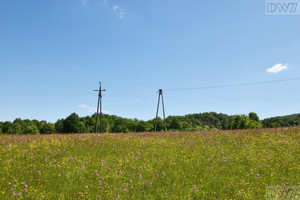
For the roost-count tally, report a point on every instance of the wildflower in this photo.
(258, 175)
(25, 185)
(17, 194)
(147, 181)
(86, 187)
(138, 155)
(125, 189)
(195, 188)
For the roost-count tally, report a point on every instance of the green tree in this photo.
(253, 124)
(253, 116)
(89, 123)
(17, 128)
(239, 121)
(31, 129)
(120, 126)
(7, 127)
(143, 126)
(174, 124)
(160, 124)
(47, 128)
(81, 128)
(71, 124)
(59, 126)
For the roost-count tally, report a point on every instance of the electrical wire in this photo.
(233, 85)
(41, 54)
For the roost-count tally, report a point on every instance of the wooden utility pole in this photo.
(99, 105)
(160, 94)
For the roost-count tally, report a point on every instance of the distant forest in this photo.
(114, 124)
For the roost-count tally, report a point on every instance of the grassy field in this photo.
(198, 165)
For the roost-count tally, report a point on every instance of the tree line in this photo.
(282, 121)
(114, 124)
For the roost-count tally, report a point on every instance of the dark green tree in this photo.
(71, 124)
(120, 126)
(143, 126)
(7, 127)
(174, 124)
(59, 126)
(47, 128)
(253, 116)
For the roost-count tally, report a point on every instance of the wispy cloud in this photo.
(116, 8)
(121, 14)
(92, 109)
(88, 108)
(277, 68)
(119, 11)
(106, 111)
(84, 2)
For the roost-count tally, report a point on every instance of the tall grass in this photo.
(197, 165)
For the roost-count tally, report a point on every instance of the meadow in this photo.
(237, 164)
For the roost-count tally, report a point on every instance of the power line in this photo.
(37, 52)
(233, 85)
(16, 93)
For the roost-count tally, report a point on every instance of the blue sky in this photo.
(53, 53)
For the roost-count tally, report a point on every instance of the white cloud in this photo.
(115, 8)
(89, 108)
(84, 2)
(277, 68)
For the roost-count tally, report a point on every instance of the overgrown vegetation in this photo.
(115, 124)
(199, 165)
